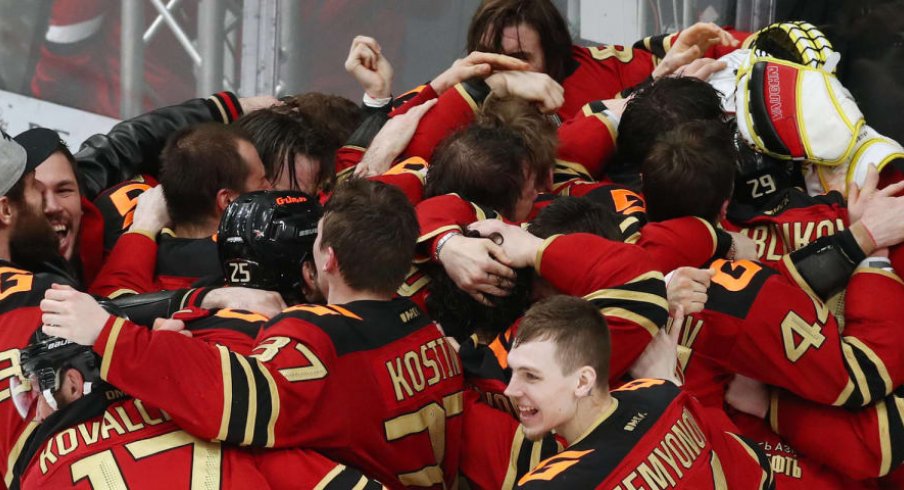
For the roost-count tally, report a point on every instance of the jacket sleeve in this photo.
(133, 146)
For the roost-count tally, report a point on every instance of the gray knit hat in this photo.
(13, 163)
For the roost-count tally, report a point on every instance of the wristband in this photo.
(877, 263)
(442, 242)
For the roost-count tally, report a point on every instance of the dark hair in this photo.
(669, 101)
(372, 229)
(462, 316)
(576, 215)
(537, 131)
(493, 16)
(578, 329)
(279, 137)
(335, 116)
(484, 165)
(195, 164)
(690, 171)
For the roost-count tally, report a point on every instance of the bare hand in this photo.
(538, 88)
(392, 139)
(171, 325)
(267, 303)
(151, 214)
(518, 244)
(691, 44)
(72, 315)
(748, 395)
(687, 289)
(477, 266)
(660, 359)
(369, 67)
(882, 218)
(702, 68)
(476, 64)
(859, 197)
(745, 247)
(251, 104)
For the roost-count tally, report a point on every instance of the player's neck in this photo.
(588, 413)
(191, 230)
(340, 293)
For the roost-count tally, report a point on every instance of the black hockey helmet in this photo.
(761, 177)
(46, 357)
(265, 236)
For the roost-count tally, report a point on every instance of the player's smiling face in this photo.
(542, 394)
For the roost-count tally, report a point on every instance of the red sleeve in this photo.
(616, 277)
(872, 436)
(413, 98)
(440, 215)
(129, 268)
(407, 175)
(347, 158)
(214, 393)
(455, 109)
(680, 242)
(586, 142)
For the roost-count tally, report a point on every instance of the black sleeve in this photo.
(133, 146)
(827, 264)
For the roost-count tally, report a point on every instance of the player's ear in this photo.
(586, 381)
(331, 263)
(73, 385)
(6, 211)
(224, 199)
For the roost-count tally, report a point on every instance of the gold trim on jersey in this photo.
(512, 472)
(880, 272)
(423, 238)
(539, 258)
(110, 346)
(715, 464)
(226, 369)
(333, 473)
(252, 400)
(629, 315)
(884, 437)
(753, 456)
(466, 96)
(602, 418)
(875, 360)
(712, 234)
(274, 404)
(859, 376)
(16, 450)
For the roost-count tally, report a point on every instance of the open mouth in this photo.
(62, 233)
(527, 413)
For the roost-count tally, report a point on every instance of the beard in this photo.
(33, 242)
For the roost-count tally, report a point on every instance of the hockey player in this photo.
(307, 357)
(646, 433)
